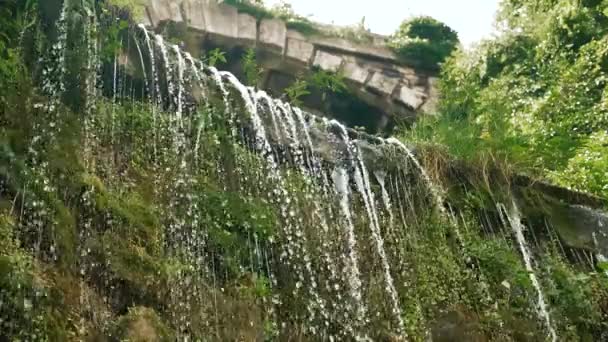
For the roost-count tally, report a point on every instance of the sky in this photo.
(472, 19)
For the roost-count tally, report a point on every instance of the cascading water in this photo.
(341, 180)
(254, 196)
(363, 187)
(514, 220)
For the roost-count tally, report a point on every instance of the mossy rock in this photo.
(458, 325)
(142, 324)
(29, 298)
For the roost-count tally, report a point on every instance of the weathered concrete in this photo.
(413, 97)
(300, 50)
(248, 27)
(355, 73)
(196, 17)
(273, 33)
(371, 70)
(328, 61)
(383, 83)
(219, 19)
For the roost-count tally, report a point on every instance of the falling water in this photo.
(364, 188)
(341, 179)
(296, 237)
(514, 219)
(166, 63)
(180, 83)
(323, 200)
(143, 65)
(386, 199)
(429, 182)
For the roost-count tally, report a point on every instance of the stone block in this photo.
(159, 11)
(383, 83)
(354, 72)
(300, 50)
(145, 20)
(176, 13)
(369, 49)
(430, 106)
(248, 28)
(293, 34)
(412, 97)
(220, 19)
(194, 13)
(328, 61)
(273, 33)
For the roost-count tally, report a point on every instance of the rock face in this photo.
(373, 74)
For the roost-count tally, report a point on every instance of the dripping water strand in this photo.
(513, 218)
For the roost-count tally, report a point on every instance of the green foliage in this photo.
(135, 7)
(185, 243)
(252, 7)
(251, 69)
(9, 243)
(587, 170)
(33, 313)
(327, 82)
(232, 221)
(576, 299)
(296, 90)
(284, 11)
(358, 32)
(500, 263)
(535, 96)
(424, 41)
(215, 57)
(16, 17)
(112, 41)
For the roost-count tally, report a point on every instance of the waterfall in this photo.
(341, 180)
(259, 212)
(386, 199)
(435, 191)
(514, 220)
(363, 187)
(180, 82)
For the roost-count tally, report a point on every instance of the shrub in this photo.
(424, 41)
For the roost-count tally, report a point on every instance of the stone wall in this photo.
(372, 71)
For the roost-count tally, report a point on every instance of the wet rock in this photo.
(457, 326)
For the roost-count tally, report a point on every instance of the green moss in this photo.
(305, 27)
(8, 242)
(254, 9)
(576, 299)
(25, 294)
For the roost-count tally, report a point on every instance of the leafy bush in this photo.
(296, 90)
(535, 96)
(424, 41)
(251, 69)
(588, 169)
(575, 298)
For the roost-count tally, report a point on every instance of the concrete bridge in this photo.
(382, 90)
